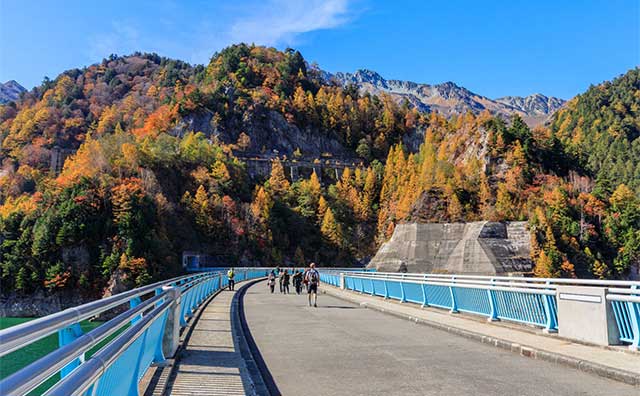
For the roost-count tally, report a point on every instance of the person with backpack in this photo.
(297, 281)
(271, 281)
(311, 279)
(230, 276)
(285, 281)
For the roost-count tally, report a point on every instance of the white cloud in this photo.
(263, 22)
(281, 21)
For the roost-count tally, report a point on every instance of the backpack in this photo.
(230, 274)
(313, 276)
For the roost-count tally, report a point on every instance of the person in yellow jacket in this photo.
(230, 276)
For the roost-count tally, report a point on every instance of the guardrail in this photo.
(144, 334)
(530, 301)
(626, 310)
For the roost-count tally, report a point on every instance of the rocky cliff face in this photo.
(483, 248)
(269, 133)
(449, 99)
(10, 91)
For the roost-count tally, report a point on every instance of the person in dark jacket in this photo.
(285, 282)
(297, 281)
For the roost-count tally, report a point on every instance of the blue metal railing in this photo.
(530, 301)
(130, 343)
(523, 305)
(625, 304)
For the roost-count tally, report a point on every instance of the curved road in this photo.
(342, 349)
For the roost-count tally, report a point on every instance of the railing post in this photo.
(134, 302)
(425, 302)
(402, 294)
(171, 334)
(188, 302)
(547, 301)
(493, 315)
(386, 287)
(342, 280)
(634, 313)
(67, 336)
(159, 291)
(373, 288)
(454, 304)
(210, 286)
(203, 291)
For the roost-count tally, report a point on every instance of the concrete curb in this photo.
(243, 341)
(523, 350)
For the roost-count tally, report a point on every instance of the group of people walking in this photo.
(310, 278)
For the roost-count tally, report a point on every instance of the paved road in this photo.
(355, 351)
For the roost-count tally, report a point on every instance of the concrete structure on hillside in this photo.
(482, 247)
(260, 166)
(58, 158)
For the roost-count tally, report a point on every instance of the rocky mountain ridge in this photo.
(449, 98)
(10, 91)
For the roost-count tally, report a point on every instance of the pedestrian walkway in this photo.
(615, 362)
(211, 363)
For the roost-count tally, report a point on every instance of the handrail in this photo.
(82, 378)
(591, 282)
(26, 333)
(485, 286)
(623, 291)
(457, 283)
(181, 295)
(37, 372)
(617, 297)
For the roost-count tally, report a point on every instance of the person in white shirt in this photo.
(312, 279)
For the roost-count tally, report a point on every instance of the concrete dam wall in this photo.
(480, 248)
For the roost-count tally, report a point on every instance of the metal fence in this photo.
(525, 300)
(142, 335)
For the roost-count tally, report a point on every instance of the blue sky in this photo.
(494, 48)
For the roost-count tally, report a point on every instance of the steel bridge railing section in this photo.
(626, 310)
(129, 343)
(530, 301)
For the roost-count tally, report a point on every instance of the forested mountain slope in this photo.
(602, 128)
(157, 172)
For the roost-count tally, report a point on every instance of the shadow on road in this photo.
(267, 378)
(337, 307)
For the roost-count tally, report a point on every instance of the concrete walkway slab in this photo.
(618, 364)
(211, 363)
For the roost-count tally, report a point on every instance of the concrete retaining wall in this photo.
(487, 248)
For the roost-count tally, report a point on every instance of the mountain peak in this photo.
(361, 76)
(535, 104)
(10, 91)
(450, 98)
